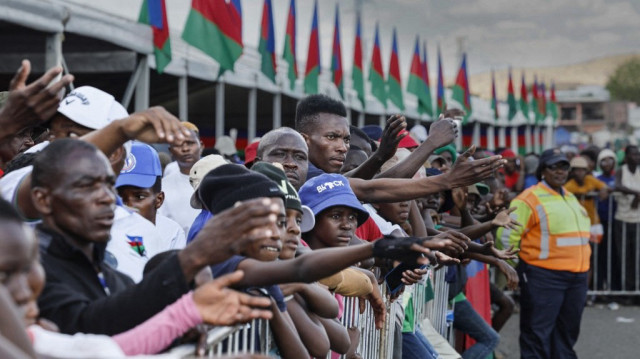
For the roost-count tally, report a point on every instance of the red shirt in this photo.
(369, 231)
(510, 180)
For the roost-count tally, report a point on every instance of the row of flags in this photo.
(541, 105)
(215, 27)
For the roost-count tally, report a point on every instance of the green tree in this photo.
(624, 83)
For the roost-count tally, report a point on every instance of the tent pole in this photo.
(251, 120)
(142, 86)
(183, 98)
(219, 125)
(277, 110)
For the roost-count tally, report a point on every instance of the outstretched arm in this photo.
(388, 145)
(463, 173)
(324, 262)
(441, 133)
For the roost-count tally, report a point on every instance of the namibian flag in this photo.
(535, 100)
(524, 99)
(357, 72)
(154, 13)
(477, 293)
(427, 104)
(394, 82)
(289, 52)
(312, 72)
(416, 84)
(542, 101)
(267, 43)
(511, 99)
(215, 27)
(553, 108)
(336, 56)
(461, 92)
(376, 75)
(494, 99)
(442, 105)
(137, 245)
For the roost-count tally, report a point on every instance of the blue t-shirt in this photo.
(231, 265)
(603, 206)
(530, 180)
(313, 171)
(198, 223)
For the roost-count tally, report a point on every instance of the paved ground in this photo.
(603, 334)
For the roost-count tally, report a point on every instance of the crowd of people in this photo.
(111, 249)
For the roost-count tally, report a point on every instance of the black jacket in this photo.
(75, 299)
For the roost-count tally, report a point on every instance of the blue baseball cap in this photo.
(141, 168)
(330, 190)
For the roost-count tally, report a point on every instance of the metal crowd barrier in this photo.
(255, 337)
(620, 246)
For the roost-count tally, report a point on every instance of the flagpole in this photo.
(515, 142)
(536, 138)
(219, 125)
(502, 137)
(476, 128)
(491, 138)
(527, 138)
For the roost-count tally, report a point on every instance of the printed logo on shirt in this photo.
(129, 163)
(137, 245)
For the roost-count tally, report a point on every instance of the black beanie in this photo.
(222, 187)
(291, 198)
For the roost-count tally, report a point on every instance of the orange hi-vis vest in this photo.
(555, 232)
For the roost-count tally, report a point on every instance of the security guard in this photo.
(554, 260)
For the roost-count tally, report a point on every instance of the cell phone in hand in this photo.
(393, 279)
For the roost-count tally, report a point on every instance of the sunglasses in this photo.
(562, 166)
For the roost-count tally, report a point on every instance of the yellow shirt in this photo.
(590, 184)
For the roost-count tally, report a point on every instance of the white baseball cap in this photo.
(198, 171)
(91, 107)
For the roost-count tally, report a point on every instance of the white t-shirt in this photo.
(56, 345)
(52, 345)
(134, 240)
(171, 167)
(386, 227)
(171, 234)
(9, 185)
(177, 197)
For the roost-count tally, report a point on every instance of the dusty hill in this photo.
(593, 72)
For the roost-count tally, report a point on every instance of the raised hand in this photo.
(445, 260)
(505, 254)
(390, 137)
(451, 242)
(154, 125)
(510, 273)
(377, 305)
(219, 305)
(498, 201)
(413, 276)
(410, 250)
(465, 172)
(503, 219)
(442, 132)
(31, 104)
(459, 196)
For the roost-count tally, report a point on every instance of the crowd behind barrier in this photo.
(273, 251)
(374, 344)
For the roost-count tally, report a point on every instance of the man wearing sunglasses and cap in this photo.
(554, 260)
